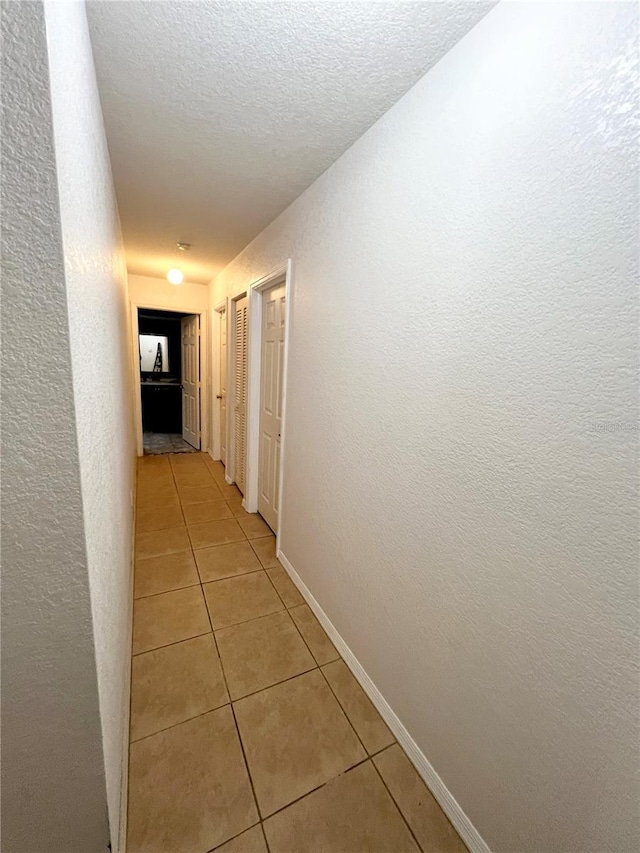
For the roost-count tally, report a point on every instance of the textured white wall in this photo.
(157, 292)
(464, 324)
(53, 781)
(100, 345)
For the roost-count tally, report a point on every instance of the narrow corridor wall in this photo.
(98, 312)
(459, 474)
(53, 773)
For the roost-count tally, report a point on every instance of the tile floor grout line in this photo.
(320, 665)
(180, 722)
(317, 788)
(239, 575)
(233, 837)
(276, 592)
(164, 592)
(264, 835)
(215, 642)
(245, 621)
(335, 696)
(246, 762)
(406, 822)
(154, 594)
(275, 684)
(175, 483)
(174, 643)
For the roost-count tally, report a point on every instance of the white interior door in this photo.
(191, 379)
(223, 387)
(271, 372)
(240, 392)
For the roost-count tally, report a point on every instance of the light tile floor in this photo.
(248, 732)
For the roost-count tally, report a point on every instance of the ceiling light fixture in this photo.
(175, 276)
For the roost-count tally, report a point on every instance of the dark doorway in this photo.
(161, 381)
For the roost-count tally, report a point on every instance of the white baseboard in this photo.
(445, 798)
(119, 844)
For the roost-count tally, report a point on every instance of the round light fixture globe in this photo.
(175, 277)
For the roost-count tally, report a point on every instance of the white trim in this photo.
(205, 383)
(443, 795)
(119, 845)
(280, 275)
(214, 439)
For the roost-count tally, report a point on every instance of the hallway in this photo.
(245, 722)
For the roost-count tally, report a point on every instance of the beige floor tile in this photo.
(175, 683)
(239, 599)
(228, 490)
(156, 503)
(429, 823)
(162, 574)
(155, 470)
(207, 511)
(262, 652)
(219, 477)
(226, 561)
(193, 475)
(154, 461)
(351, 814)
(161, 468)
(254, 526)
(364, 718)
(155, 493)
(159, 518)
(151, 483)
(162, 542)
(185, 460)
(235, 505)
(189, 789)
(216, 468)
(215, 533)
(198, 494)
(295, 737)
(286, 588)
(168, 618)
(149, 497)
(266, 551)
(321, 646)
(251, 841)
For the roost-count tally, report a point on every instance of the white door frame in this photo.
(135, 369)
(215, 372)
(280, 275)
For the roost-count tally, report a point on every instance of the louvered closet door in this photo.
(240, 367)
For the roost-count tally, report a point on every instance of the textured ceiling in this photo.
(219, 114)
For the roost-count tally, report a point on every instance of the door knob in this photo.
(218, 396)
